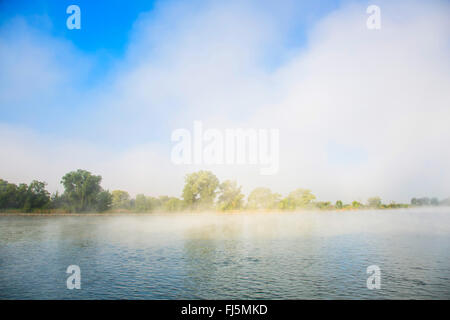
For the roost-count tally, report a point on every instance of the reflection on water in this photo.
(310, 255)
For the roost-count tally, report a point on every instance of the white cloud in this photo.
(382, 93)
(37, 69)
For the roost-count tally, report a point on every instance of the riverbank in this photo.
(217, 212)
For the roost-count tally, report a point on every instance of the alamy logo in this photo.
(74, 20)
(374, 280)
(229, 146)
(374, 20)
(74, 280)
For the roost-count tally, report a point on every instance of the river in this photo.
(304, 255)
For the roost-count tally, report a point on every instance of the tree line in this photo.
(202, 191)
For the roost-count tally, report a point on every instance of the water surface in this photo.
(306, 255)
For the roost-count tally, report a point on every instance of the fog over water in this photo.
(280, 225)
(312, 255)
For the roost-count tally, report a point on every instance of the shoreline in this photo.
(127, 214)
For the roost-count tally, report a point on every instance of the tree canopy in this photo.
(199, 191)
(374, 202)
(81, 189)
(230, 196)
(263, 198)
(24, 197)
(299, 198)
(120, 199)
(83, 193)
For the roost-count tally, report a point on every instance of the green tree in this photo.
(37, 197)
(356, 205)
(323, 205)
(299, 198)
(199, 189)
(424, 201)
(155, 203)
(104, 201)
(8, 195)
(230, 196)
(163, 203)
(120, 199)
(57, 201)
(21, 195)
(339, 204)
(81, 189)
(142, 204)
(173, 204)
(374, 202)
(263, 198)
(25, 197)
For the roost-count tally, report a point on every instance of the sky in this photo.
(360, 112)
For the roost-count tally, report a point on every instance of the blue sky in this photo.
(107, 97)
(105, 36)
(107, 24)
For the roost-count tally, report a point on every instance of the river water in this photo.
(305, 255)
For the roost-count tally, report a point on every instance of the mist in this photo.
(158, 229)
